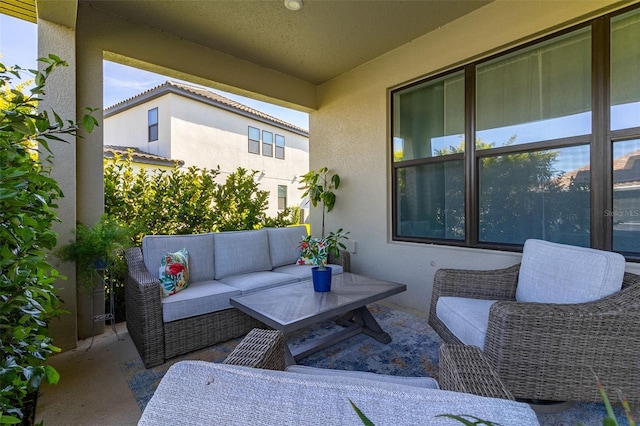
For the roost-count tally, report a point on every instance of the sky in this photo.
(120, 82)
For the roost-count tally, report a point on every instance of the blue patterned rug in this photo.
(413, 352)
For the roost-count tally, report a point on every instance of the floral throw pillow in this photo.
(313, 251)
(174, 272)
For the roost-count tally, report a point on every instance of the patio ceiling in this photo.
(315, 44)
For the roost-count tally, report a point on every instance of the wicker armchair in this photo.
(552, 351)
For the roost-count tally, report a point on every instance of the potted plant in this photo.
(28, 195)
(319, 186)
(317, 250)
(97, 248)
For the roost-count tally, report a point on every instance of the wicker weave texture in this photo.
(260, 349)
(143, 307)
(464, 369)
(553, 351)
(193, 333)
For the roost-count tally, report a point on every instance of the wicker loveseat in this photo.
(551, 351)
(221, 265)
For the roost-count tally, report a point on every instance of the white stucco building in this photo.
(201, 128)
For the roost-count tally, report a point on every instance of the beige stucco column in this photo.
(89, 166)
(61, 96)
(77, 165)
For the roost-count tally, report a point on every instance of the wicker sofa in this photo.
(245, 390)
(550, 351)
(221, 265)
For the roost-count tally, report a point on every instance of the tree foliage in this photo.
(187, 201)
(28, 197)
(521, 195)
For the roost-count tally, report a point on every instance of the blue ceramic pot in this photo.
(321, 279)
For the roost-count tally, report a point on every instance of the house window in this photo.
(280, 147)
(254, 140)
(267, 143)
(152, 118)
(520, 145)
(282, 197)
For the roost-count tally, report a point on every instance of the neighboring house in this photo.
(626, 198)
(203, 129)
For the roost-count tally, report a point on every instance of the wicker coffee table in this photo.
(292, 307)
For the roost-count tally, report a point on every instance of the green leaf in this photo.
(89, 122)
(360, 414)
(51, 375)
(9, 420)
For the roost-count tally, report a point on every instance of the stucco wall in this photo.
(59, 40)
(350, 133)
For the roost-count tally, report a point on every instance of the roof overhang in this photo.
(21, 9)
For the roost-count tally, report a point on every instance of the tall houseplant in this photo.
(28, 197)
(319, 186)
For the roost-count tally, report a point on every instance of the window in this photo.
(625, 213)
(267, 143)
(254, 140)
(520, 146)
(625, 119)
(427, 151)
(625, 69)
(282, 197)
(152, 119)
(280, 147)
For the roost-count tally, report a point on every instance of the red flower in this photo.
(175, 268)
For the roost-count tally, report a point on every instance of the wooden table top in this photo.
(294, 306)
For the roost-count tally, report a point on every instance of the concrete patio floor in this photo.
(92, 388)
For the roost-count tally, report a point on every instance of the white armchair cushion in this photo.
(559, 273)
(466, 318)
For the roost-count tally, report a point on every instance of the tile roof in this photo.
(140, 156)
(626, 172)
(205, 95)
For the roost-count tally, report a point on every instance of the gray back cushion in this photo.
(241, 252)
(284, 244)
(199, 246)
(559, 273)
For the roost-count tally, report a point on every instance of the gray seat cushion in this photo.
(560, 273)
(419, 382)
(241, 252)
(284, 244)
(199, 246)
(201, 297)
(466, 318)
(203, 393)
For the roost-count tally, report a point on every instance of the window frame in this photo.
(267, 147)
(600, 141)
(282, 198)
(279, 149)
(255, 143)
(153, 130)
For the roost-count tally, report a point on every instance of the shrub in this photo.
(28, 197)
